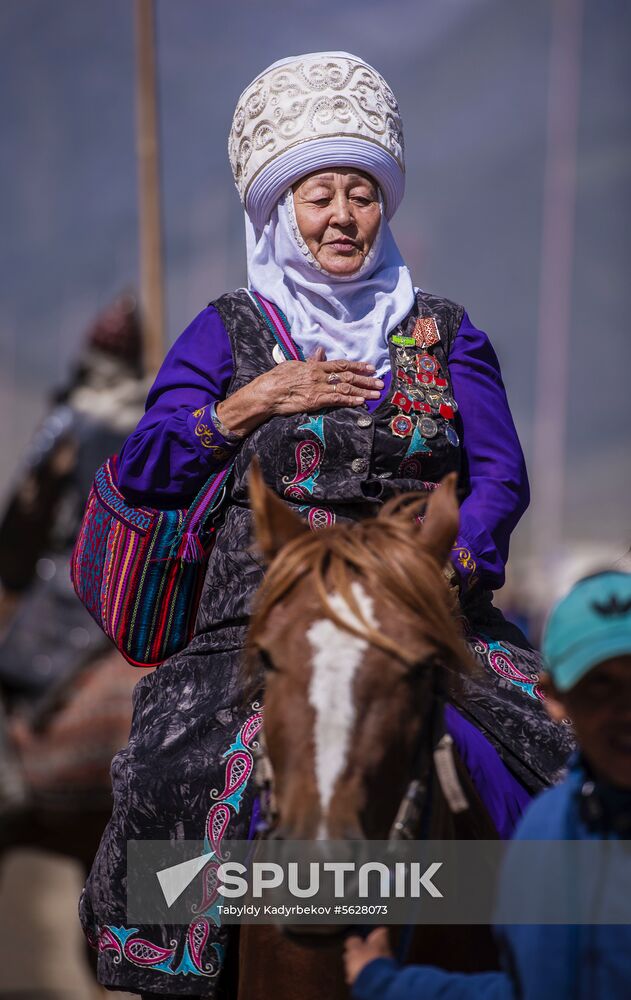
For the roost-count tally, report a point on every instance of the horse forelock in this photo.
(386, 554)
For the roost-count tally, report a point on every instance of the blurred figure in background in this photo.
(68, 694)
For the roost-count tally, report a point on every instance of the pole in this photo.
(151, 264)
(555, 288)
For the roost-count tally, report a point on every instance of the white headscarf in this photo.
(318, 111)
(350, 316)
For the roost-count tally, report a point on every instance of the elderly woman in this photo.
(394, 387)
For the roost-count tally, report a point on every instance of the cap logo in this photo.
(613, 608)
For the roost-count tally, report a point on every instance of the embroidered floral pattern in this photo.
(465, 564)
(208, 435)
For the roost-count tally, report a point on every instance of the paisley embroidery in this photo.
(146, 954)
(238, 771)
(198, 933)
(209, 894)
(308, 456)
(497, 657)
(108, 942)
(218, 819)
(320, 517)
(143, 952)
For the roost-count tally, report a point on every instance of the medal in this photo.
(426, 378)
(434, 399)
(452, 437)
(426, 363)
(403, 341)
(403, 359)
(401, 425)
(446, 411)
(425, 331)
(420, 406)
(441, 384)
(428, 427)
(402, 376)
(401, 401)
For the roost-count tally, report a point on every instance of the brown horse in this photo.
(355, 629)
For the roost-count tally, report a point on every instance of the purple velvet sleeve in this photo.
(494, 466)
(176, 445)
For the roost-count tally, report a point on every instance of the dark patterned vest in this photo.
(342, 462)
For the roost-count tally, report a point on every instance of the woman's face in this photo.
(338, 215)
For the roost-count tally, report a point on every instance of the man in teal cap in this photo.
(587, 649)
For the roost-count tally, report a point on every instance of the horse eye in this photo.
(266, 660)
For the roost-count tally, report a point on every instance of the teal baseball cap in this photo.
(591, 624)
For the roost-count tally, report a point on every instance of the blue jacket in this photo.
(543, 962)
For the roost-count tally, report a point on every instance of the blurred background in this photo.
(518, 149)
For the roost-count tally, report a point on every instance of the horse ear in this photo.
(274, 523)
(442, 517)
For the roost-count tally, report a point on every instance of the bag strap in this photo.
(188, 545)
(276, 322)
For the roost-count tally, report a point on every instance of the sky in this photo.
(472, 79)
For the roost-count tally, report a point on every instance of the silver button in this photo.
(359, 465)
(365, 420)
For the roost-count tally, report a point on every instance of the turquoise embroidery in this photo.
(418, 444)
(499, 660)
(227, 803)
(316, 426)
(309, 455)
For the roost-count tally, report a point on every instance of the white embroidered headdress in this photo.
(308, 112)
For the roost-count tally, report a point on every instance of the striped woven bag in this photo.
(140, 571)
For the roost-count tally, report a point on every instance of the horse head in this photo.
(355, 628)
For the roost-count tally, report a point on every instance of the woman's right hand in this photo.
(299, 387)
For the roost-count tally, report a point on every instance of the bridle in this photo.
(434, 755)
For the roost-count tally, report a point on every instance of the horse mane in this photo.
(385, 551)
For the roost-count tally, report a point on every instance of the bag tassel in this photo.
(190, 549)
